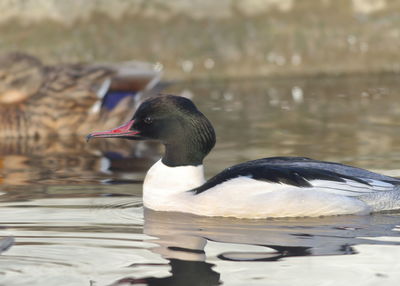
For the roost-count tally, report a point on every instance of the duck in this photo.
(263, 188)
(39, 100)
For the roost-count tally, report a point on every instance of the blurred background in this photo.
(313, 78)
(297, 78)
(202, 38)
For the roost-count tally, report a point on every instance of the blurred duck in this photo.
(37, 100)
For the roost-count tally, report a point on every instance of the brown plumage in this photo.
(38, 100)
(70, 161)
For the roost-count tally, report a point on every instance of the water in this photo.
(77, 218)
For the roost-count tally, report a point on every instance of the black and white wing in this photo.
(302, 172)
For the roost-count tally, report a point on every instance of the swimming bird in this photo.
(268, 187)
(38, 100)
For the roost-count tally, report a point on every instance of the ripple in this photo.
(75, 264)
(128, 209)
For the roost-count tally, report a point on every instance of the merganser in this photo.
(263, 188)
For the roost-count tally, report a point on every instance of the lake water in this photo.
(71, 213)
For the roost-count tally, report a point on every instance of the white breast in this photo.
(163, 183)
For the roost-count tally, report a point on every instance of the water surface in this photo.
(75, 216)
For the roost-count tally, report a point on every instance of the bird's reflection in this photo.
(69, 160)
(185, 236)
(194, 273)
(195, 245)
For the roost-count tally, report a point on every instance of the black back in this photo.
(294, 171)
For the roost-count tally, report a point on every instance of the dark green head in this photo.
(175, 121)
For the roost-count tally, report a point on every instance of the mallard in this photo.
(38, 100)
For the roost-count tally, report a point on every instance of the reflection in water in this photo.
(69, 226)
(195, 246)
(70, 160)
(183, 236)
(194, 273)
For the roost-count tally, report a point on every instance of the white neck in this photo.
(162, 183)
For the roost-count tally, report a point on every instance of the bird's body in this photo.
(269, 187)
(38, 100)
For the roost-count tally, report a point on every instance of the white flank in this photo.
(244, 197)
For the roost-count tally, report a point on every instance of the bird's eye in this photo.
(148, 120)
